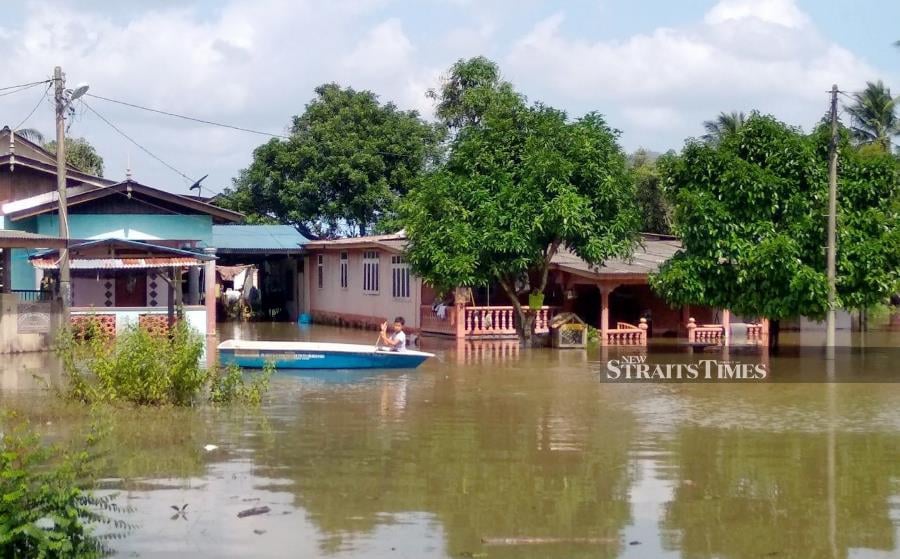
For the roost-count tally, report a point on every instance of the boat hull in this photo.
(302, 355)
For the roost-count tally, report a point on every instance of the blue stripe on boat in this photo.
(309, 355)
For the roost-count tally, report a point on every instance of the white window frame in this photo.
(371, 270)
(320, 271)
(345, 269)
(400, 288)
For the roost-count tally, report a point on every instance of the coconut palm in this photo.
(873, 115)
(724, 125)
(32, 135)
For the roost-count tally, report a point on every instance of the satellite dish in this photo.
(79, 90)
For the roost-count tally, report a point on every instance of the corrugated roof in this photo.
(257, 238)
(648, 256)
(395, 242)
(10, 238)
(118, 263)
(647, 259)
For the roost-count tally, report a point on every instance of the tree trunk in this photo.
(774, 331)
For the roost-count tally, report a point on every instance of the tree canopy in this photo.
(750, 212)
(347, 161)
(520, 182)
(653, 205)
(81, 155)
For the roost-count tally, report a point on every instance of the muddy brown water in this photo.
(501, 452)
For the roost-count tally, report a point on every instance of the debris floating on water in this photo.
(210, 447)
(254, 511)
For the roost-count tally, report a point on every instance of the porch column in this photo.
(459, 305)
(210, 285)
(604, 312)
(764, 324)
(193, 285)
(685, 316)
(726, 327)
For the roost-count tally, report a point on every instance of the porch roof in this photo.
(649, 255)
(116, 254)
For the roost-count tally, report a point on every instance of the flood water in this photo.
(500, 452)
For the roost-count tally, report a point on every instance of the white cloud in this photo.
(255, 63)
(779, 12)
(744, 55)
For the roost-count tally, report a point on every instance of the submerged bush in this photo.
(229, 386)
(44, 512)
(146, 368)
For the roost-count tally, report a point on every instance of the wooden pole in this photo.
(65, 279)
(831, 255)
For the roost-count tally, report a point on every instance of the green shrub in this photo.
(144, 368)
(137, 366)
(43, 510)
(228, 386)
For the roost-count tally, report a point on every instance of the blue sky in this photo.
(655, 68)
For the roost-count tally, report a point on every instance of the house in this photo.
(363, 281)
(150, 236)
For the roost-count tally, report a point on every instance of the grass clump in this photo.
(149, 369)
(228, 385)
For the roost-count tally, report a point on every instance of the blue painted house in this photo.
(158, 230)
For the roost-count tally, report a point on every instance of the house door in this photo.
(131, 289)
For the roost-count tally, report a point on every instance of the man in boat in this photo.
(397, 339)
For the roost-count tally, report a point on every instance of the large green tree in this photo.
(750, 212)
(873, 116)
(520, 183)
(347, 161)
(79, 152)
(81, 155)
(655, 209)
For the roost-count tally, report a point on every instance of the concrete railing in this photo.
(480, 322)
(714, 334)
(499, 322)
(627, 334)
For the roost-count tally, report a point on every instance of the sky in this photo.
(655, 68)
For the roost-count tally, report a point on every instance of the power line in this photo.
(41, 100)
(130, 139)
(19, 88)
(191, 118)
(219, 124)
(24, 85)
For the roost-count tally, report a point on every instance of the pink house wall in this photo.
(351, 305)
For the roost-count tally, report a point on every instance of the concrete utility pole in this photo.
(832, 223)
(65, 280)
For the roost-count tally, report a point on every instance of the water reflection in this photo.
(528, 446)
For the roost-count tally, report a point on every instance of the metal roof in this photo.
(257, 239)
(648, 256)
(120, 254)
(393, 242)
(118, 263)
(47, 202)
(10, 238)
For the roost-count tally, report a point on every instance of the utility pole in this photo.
(832, 224)
(65, 280)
